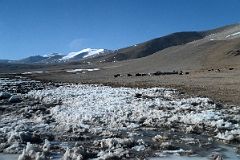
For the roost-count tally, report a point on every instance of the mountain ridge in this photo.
(139, 50)
(59, 58)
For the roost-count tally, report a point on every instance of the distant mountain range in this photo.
(59, 58)
(145, 49)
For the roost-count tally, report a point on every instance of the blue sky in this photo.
(32, 27)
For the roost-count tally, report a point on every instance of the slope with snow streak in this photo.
(87, 53)
(233, 34)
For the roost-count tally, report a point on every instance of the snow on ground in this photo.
(6, 81)
(33, 72)
(91, 106)
(80, 70)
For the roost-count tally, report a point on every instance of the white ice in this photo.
(80, 70)
(91, 106)
(33, 72)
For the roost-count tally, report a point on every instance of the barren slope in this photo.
(192, 56)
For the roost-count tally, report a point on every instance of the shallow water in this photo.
(225, 151)
(8, 156)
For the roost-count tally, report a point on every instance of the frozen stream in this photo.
(101, 122)
(8, 156)
(228, 152)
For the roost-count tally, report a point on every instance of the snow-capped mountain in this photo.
(85, 53)
(59, 58)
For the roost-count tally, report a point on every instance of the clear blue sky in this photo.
(31, 27)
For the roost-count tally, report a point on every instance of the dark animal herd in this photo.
(158, 73)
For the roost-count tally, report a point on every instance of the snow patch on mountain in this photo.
(234, 34)
(80, 70)
(88, 51)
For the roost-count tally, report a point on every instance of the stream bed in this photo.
(73, 121)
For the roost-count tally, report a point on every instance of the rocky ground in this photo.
(72, 121)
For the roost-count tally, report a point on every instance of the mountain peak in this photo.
(84, 53)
